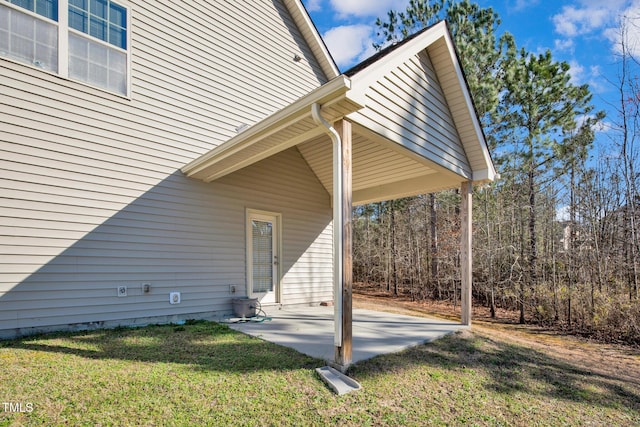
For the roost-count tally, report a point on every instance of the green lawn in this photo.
(206, 374)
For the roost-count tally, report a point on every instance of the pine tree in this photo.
(538, 110)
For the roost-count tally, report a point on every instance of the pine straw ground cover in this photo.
(206, 374)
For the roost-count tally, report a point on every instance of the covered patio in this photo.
(400, 124)
(310, 331)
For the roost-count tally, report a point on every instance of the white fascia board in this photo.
(488, 174)
(331, 91)
(484, 176)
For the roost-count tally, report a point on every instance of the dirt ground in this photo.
(615, 361)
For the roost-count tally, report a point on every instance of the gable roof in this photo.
(415, 127)
(436, 43)
(383, 52)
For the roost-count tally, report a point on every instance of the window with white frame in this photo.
(85, 40)
(30, 36)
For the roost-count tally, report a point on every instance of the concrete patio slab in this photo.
(310, 330)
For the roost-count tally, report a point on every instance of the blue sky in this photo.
(580, 32)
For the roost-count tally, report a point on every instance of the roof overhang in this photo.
(284, 129)
(386, 162)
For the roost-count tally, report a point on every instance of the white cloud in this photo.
(313, 5)
(520, 5)
(585, 17)
(376, 8)
(576, 21)
(629, 20)
(349, 43)
(577, 73)
(595, 79)
(591, 76)
(564, 45)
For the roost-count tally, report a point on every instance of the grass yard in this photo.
(206, 374)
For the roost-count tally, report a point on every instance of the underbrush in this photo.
(606, 316)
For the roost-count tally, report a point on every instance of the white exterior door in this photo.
(263, 256)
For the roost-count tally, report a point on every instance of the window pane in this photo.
(80, 4)
(97, 64)
(4, 41)
(78, 19)
(98, 8)
(4, 18)
(46, 34)
(117, 75)
(22, 25)
(28, 39)
(45, 56)
(46, 8)
(101, 19)
(262, 236)
(78, 57)
(117, 60)
(118, 36)
(27, 4)
(98, 54)
(4, 31)
(118, 15)
(98, 28)
(23, 49)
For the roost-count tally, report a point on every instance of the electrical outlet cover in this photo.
(122, 291)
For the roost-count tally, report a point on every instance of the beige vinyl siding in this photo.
(408, 107)
(182, 235)
(318, 48)
(91, 196)
(234, 49)
(295, 192)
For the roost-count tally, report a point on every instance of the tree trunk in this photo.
(394, 254)
(533, 255)
(434, 242)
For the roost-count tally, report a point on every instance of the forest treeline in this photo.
(556, 237)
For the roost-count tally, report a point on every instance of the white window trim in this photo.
(63, 39)
(63, 45)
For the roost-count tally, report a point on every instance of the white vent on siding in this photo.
(174, 297)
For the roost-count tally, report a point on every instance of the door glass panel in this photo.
(262, 232)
